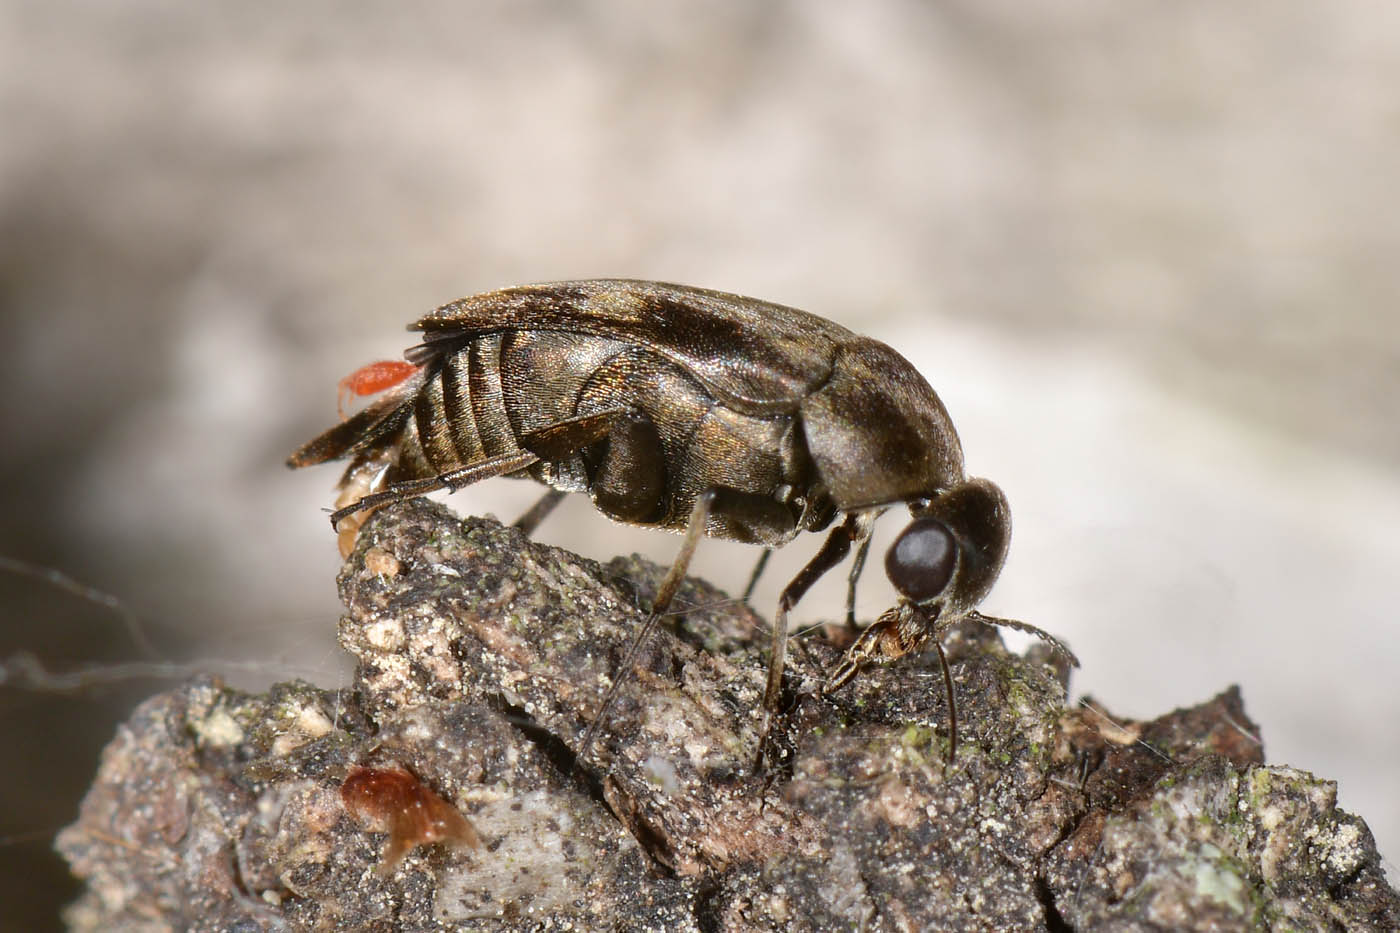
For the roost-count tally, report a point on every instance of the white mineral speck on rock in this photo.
(313, 722)
(386, 635)
(219, 729)
(662, 773)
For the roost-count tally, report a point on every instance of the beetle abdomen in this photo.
(477, 397)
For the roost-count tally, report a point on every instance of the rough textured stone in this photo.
(482, 660)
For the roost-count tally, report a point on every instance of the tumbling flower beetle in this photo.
(698, 412)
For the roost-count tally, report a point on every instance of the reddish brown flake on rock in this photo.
(393, 801)
(381, 563)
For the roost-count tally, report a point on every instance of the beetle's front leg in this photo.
(865, 527)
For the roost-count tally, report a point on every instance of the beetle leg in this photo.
(952, 703)
(694, 531)
(864, 528)
(454, 480)
(566, 438)
(757, 572)
(538, 512)
(833, 551)
(857, 568)
(557, 442)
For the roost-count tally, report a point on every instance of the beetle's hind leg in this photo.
(625, 459)
(455, 479)
(628, 479)
(551, 442)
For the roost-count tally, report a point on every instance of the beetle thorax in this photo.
(877, 431)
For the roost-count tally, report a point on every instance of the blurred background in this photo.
(1146, 252)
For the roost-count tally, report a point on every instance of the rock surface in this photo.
(482, 660)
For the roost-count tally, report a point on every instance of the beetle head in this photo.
(951, 553)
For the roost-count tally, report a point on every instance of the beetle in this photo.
(698, 412)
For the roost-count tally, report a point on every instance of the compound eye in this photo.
(921, 560)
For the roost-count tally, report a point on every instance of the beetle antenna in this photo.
(1055, 644)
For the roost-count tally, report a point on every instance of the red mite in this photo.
(371, 379)
(392, 800)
